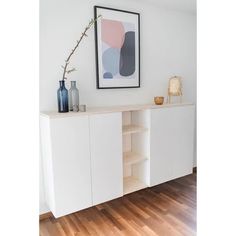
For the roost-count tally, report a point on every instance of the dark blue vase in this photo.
(62, 97)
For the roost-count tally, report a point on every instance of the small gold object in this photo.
(175, 88)
(158, 100)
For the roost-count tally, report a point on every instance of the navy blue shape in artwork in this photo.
(107, 75)
(127, 55)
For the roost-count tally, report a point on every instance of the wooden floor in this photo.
(165, 210)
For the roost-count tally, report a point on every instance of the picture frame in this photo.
(117, 48)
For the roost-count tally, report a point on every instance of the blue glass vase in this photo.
(62, 97)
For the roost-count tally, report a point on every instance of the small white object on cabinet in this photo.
(66, 162)
(106, 156)
(172, 132)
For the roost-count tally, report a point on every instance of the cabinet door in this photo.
(171, 141)
(106, 156)
(160, 147)
(183, 131)
(71, 164)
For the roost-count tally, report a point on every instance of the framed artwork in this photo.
(117, 39)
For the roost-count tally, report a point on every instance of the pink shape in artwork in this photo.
(113, 33)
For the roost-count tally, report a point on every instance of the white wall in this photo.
(168, 47)
(168, 43)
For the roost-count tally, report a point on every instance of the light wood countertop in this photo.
(110, 109)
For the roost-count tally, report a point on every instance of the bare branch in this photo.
(69, 71)
(67, 61)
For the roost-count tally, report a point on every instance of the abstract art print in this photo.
(117, 38)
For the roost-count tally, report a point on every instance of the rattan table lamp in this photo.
(175, 88)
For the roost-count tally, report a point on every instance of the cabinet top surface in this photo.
(110, 109)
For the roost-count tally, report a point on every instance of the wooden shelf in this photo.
(131, 184)
(131, 129)
(110, 109)
(133, 158)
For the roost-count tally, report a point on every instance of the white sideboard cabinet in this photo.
(171, 143)
(66, 164)
(104, 153)
(106, 156)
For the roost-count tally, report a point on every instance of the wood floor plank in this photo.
(167, 209)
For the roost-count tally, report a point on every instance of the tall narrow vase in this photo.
(73, 96)
(62, 97)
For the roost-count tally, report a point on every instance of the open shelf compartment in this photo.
(131, 129)
(133, 158)
(136, 154)
(132, 184)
